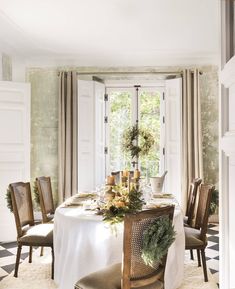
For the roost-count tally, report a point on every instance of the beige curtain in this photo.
(68, 134)
(192, 161)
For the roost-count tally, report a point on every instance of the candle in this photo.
(125, 173)
(120, 178)
(110, 180)
(136, 174)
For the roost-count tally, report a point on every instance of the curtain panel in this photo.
(68, 135)
(192, 161)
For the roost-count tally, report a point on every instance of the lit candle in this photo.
(136, 174)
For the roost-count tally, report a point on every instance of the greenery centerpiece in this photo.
(120, 199)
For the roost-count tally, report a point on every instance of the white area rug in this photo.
(37, 275)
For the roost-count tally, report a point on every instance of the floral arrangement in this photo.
(121, 200)
(137, 141)
(157, 238)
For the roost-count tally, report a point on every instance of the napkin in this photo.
(85, 195)
(164, 196)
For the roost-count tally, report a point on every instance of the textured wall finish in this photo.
(44, 125)
(6, 67)
(210, 126)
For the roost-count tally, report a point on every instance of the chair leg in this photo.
(52, 263)
(204, 265)
(30, 254)
(41, 253)
(198, 258)
(17, 260)
(191, 254)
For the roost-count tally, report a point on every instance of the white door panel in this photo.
(99, 133)
(91, 162)
(14, 146)
(173, 136)
(85, 135)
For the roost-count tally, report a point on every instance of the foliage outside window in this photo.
(121, 118)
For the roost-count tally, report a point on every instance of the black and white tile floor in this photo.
(212, 251)
(8, 254)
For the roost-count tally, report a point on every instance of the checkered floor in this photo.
(212, 251)
(8, 252)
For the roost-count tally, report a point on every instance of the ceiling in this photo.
(111, 32)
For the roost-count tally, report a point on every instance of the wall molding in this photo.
(227, 76)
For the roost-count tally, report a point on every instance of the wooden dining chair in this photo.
(195, 238)
(133, 272)
(46, 198)
(28, 234)
(192, 196)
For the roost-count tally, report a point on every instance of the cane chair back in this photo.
(190, 192)
(192, 197)
(22, 205)
(135, 272)
(202, 216)
(45, 196)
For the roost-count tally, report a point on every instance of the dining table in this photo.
(84, 243)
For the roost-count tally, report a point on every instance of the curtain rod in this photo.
(126, 72)
(130, 72)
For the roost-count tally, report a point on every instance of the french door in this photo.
(124, 106)
(104, 114)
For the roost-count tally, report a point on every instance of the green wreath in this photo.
(137, 141)
(157, 238)
(9, 200)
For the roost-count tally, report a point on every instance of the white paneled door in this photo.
(99, 133)
(173, 136)
(14, 147)
(90, 134)
(227, 176)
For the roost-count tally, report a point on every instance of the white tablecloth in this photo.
(84, 244)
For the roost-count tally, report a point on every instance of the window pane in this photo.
(120, 119)
(150, 119)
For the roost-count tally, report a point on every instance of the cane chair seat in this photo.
(41, 235)
(193, 238)
(109, 278)
(133, 272)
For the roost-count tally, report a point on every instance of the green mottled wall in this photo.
(44, 125)
(209, 89)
